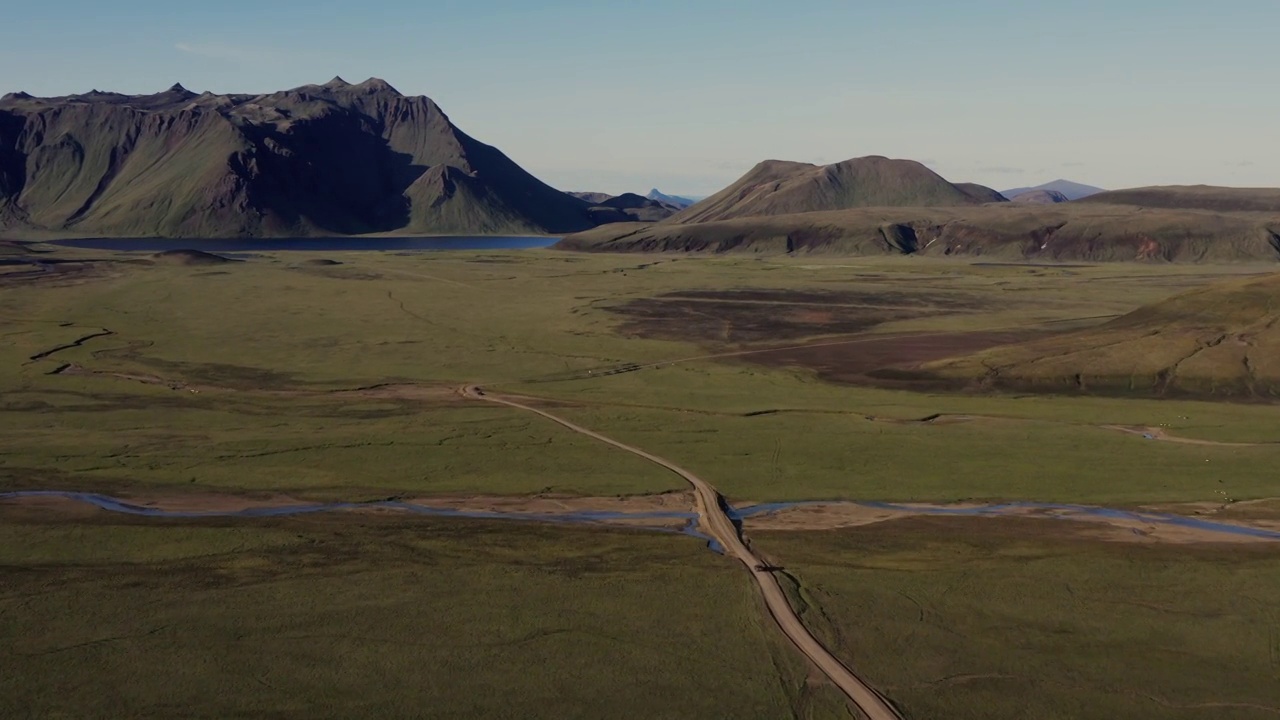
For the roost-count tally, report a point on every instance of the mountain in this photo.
(594, 198)
(1040, 197)
(630, 207)
(1201, 197)
(315, 160)
(1016, 232)
(777, 187)
(1072, 190)
(675, 201)
(981, 193)
(1220, 340)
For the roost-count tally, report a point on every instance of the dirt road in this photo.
(719, 526)
(1155, 433)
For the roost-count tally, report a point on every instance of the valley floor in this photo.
(275, 383)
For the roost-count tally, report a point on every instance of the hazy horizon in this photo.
(687, 99)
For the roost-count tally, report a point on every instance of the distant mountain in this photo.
(595, 198)
(675, 201)
(777, 187)
(1200, 197)
(318, 159)
(1040, 197)
(1071, 190)
(630, 207)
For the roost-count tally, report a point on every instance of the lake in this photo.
(336, 244)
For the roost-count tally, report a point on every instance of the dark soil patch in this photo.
(189, 257)
(887, 360)
(855, 298)
(321, 262)
(237, 377)
(50, 272)
(732, 317)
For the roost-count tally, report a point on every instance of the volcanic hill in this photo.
(875, 206)
(778, 187)
(324, 159)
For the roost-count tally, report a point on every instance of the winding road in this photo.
(717, 523)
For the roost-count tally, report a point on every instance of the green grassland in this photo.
(322, 448)
(809, 456)
(359, 617)
(1222, 340)
(280, 375)
(269, 339)
(991, 619)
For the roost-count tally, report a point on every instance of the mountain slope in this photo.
(981, 193)
(1041, 197)
(595, 198)
(1007, 231)
(1221, 340)
(777, 187)
(319, 159)
(1202, 197)
(1071, 190)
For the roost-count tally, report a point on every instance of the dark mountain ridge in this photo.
(1200, 197)
(630, 207)
(330, 159)
(1065, 232)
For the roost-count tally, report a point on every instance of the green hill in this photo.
(319, 159)
(777, 187)
(1222, 340)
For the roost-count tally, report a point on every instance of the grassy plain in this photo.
(992, 619)
(346, 616)
(338, 382)
(269, 341)
(808, 456)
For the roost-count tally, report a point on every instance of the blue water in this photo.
(1076, 511)
(690, 527)
(337, 244)
(117, 505)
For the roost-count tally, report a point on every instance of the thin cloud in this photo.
(1000, 170)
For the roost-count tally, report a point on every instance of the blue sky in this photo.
(686, 96)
